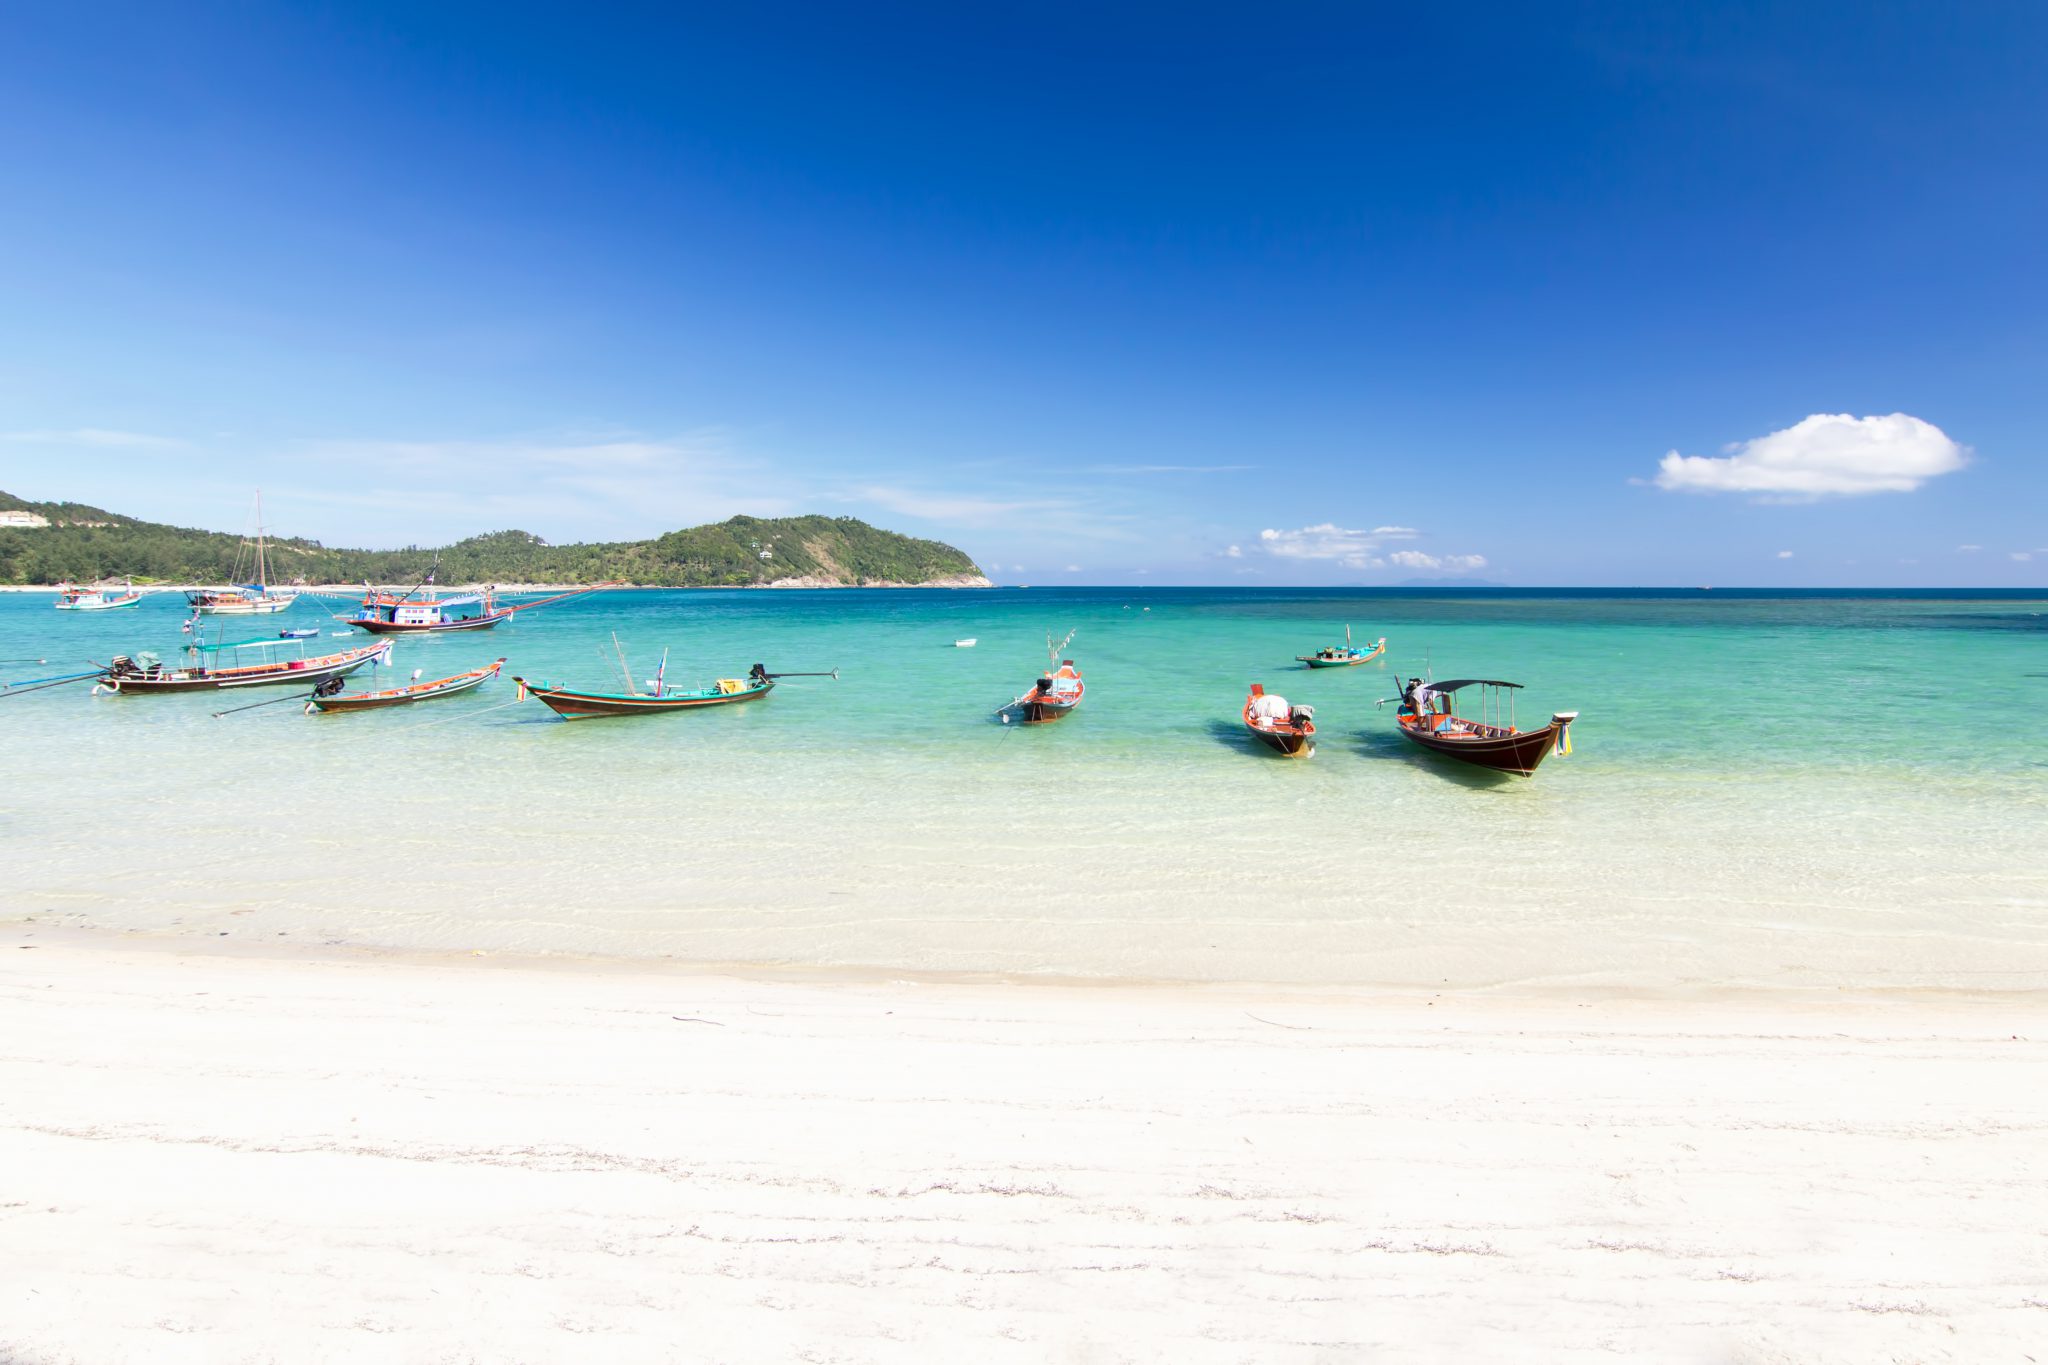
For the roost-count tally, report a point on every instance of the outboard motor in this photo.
(1299, 716)
(1045, 684)
(759, 674)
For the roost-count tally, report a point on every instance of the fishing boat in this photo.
(244, 599)
(146, 673)
(573, 703)
(1287, 730)
(1056, 693)
(1427, 717)
(421, 610)
(1344, 655)
(329, 696)
(967, 643)
(99, 597)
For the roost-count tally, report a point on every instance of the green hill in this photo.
(83, 543)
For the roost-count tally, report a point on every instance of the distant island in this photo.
(51, 542)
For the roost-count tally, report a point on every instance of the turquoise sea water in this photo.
(1815, 789)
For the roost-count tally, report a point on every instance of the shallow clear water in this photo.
(1783, 789)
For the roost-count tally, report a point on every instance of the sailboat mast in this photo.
(262, 569)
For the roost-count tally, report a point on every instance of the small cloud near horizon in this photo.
(1784, 554)
(1454, 564)
(1827, 455)
(94, 437)
(1354, 549)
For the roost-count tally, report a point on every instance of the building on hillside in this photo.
(19, 517)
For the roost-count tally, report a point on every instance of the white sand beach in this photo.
(237, 1156)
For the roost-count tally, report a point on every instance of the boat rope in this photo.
(466, 715)
(22, 689)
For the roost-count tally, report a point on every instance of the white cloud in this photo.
(608, 485)
(1073, 568)
(1826, 455)
(1784, 554)
(1416, 559)
(1330, 542)
(1353, 549)
(2022, 555)
(963, 508)
(1234, 552)
(95, 437)
(1968, 549)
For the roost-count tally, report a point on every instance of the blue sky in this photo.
(1317, 294)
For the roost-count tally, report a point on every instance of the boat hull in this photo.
(573, 705)
(267, 607)
(295, 673)
(404, 696)
(1286, 743)
(432, 627)
(1044, 711)
(125, 602)
(1520, 753)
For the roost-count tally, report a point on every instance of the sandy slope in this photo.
(221, 1158)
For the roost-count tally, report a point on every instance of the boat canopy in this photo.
(1457, 683)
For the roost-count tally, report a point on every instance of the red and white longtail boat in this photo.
(1287, 730)
(146, 673)
(1056, 693)
(329, 696)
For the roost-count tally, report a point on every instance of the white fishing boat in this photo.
(99, 597)
(967, 643)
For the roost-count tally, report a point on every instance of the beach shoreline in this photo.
(351, 589)
(251, 1152)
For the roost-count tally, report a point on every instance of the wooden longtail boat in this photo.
(338, 700)
(1056, 693)
(1426, 717)
(1343, 656)
(1287, 730)
(70, 597)
(145, 673)
(415, 613)
(574, 704)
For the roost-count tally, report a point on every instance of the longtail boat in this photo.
(1426, 716)
(70, 597)
(1286, 730)
(417, 612)
(330, 697)
(146, 673)
(573, 703)
(1344, 655)
(1056, 693)
(244, 599)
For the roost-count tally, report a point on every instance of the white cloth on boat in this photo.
(1269, 707)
